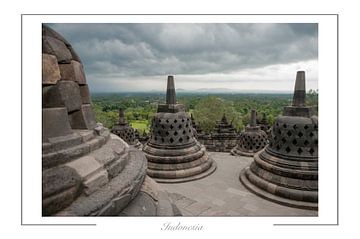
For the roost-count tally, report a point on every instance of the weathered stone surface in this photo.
(91, 172)
(64, 142)
(60, 187)
(47, 31)
(50, 70)
(83, 118)
(67, 72)
(85, 166)
(58, 179)
(74, 55)
(55, 123)
(115, 206)
(79, 72)
(173, 152)
(85, 94)
(286, 171)
(58, 48)
(86, 170)
(142, 205)
(95, 182)
(63, 94)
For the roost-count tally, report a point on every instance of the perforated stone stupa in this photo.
(125, 131)
(222, 139)
(286, 171)
(173, 153)
(86, 170)
(251, 140)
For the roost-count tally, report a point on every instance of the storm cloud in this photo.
(245, 56)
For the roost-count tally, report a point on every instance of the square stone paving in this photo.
(222, 193)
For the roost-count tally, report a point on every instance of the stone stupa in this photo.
(224, 136)
(251, 140)
(286, 171)
(125, 131)
(86, 170)
(174, 155)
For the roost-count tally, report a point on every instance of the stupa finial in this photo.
(121, 116)
(170, 91)
(299, 91)
(253, 118)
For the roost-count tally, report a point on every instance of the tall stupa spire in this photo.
(170, 91)
(253, 118)
(121, 116)
(299, 90)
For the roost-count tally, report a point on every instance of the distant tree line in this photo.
(207, 109)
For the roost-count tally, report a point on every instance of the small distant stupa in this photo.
(251, 140)
(173, 153)
(286, 171)
(224, 136)
(125, 131)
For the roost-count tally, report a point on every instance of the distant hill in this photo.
(204, 91)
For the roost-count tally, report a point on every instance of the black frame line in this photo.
(179, 14)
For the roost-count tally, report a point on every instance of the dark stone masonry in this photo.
(173, 153)
(286, 171)
(222, 139)
(125, 131)
(251, 140)
(86, 170)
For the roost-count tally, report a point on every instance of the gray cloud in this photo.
(140, 50)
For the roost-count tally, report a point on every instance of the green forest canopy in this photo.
(207, 109)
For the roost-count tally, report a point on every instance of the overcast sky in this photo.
(249, 57)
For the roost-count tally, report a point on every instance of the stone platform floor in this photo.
(222, 193)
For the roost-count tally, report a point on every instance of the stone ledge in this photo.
(127, 182)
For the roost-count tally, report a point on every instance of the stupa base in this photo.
(261, 188)
(237, 152)
(201, 175)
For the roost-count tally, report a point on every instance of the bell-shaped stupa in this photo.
(286, 171)
(251, 140)
(224, 136)
(173, 153)
(125, 131)
(86, 170)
